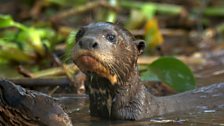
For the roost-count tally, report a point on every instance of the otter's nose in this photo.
(88, 43)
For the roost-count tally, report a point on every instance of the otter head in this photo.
(108, 50)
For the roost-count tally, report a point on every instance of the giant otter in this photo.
(107, 54)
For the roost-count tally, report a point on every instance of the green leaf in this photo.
(70, 42)
(149, 75)
(149, 10)
(35, 40)
(133, 22)
(167, 9)
(32, 36)
(112, 15)
(172, 72)
(6, 21)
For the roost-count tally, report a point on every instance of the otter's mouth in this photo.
(93, 64)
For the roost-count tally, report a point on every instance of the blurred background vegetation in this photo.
(36, 36)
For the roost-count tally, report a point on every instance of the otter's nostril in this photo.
(95, 45)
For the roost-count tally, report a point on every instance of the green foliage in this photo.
(7, 21)
(213, 11)
(168, 9)
(148, 10)
(172, 72)
(25, 40)
(70, 44)
(71, 39)
(112, 16)
(11, 51)
(66, 2)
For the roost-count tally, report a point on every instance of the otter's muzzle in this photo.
(88, 43)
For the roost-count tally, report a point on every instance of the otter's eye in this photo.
(111, 38)
(80, 33)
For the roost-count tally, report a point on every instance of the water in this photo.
(204, 116)
(207, 117)
(77, 107)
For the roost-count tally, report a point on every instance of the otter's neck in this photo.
(102, 93)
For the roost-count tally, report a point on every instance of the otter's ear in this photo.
(140, 44)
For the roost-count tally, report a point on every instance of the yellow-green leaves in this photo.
(153, 36)
(112, 15)
(26, 40)
(7, 21)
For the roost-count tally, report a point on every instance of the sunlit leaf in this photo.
(149, 10)
(35, 39)
(70, 40)
(33, 36)
(172, 72)
(112, 15)
(6, 21)
(134, 22)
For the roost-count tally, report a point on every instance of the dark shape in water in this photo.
(19, 106)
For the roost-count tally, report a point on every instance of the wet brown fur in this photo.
(113, 81)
